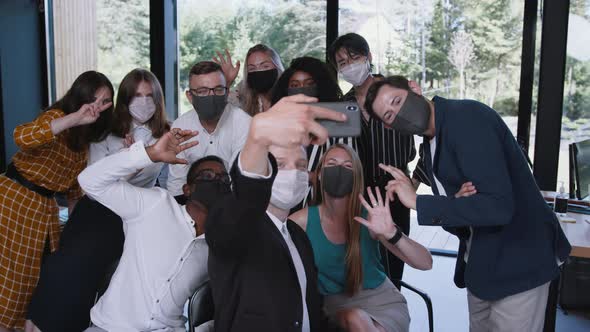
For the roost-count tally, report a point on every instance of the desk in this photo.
(578, 234)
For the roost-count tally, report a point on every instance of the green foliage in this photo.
(580, 7)
(397, 63)
(123, 37)
(293, 29)
(199, 42)
(496, 29)
(441, 29)
(576, 103)
(297, 27)
(507, 106)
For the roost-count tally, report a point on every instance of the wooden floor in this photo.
(432, 237)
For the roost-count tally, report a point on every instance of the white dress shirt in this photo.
(225, 142)
(146, 178)
(297, 262)
(301, 276)
(162, 264)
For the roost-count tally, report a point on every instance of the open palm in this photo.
(170, 145)
(379, 221)
(227, 67)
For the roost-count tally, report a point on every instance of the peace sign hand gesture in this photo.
(89, 113)
(379, 220)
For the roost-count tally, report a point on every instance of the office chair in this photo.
(402, 283)
(200, 307)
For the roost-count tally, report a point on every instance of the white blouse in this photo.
(145, 178)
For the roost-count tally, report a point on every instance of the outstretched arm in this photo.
(288, 123)
(101, 180)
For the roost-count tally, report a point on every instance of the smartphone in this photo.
(349, 128)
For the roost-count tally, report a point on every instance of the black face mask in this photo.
(337, 181)
(208, 192)
(209, 107)
(262, 81)
(413, 116)
(310, 91)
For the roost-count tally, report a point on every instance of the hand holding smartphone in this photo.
(351, 127)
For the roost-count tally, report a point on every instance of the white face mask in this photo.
(356, 73)
(289, 188)
(142, 108)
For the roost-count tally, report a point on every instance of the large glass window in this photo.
(453, 48)
(293, 28)
(575, 123)
(123, 32)
(535, 97)
(111, 36)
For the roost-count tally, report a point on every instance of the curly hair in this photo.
(323, 75)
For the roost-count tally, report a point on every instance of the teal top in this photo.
(330, 258)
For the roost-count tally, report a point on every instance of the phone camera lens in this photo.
(351, 108)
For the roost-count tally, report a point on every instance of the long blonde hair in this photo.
(248, 97)
(354, 263)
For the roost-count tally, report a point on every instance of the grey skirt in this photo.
(384, 304)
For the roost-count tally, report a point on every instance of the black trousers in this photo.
(71, 276)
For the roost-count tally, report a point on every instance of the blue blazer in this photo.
(517, 238)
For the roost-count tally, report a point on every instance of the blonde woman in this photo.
(262, 70)
(345, 239)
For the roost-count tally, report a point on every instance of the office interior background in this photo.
(528, 59)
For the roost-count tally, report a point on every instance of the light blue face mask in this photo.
(356, 73)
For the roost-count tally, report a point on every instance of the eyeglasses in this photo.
(202, 92)
(210, 175)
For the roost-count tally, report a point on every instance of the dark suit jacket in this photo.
(253, 279)
(517, 238)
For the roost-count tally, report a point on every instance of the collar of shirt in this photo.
(189, 220)
(135, 125)
(297, 263)
(142, 132)
(278, 223)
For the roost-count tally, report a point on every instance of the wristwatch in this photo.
(398, 235)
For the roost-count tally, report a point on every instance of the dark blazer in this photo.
(253, 279)
(517, 238)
